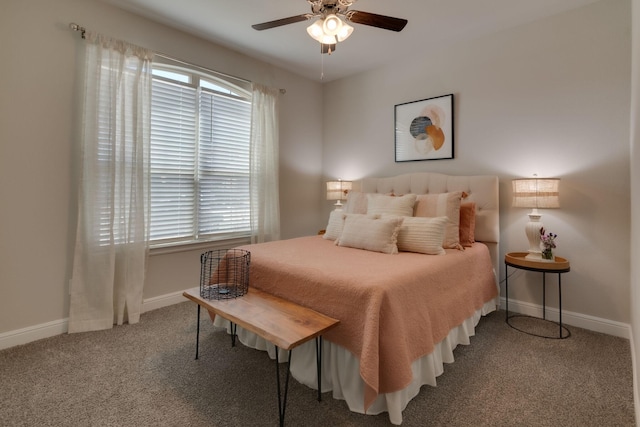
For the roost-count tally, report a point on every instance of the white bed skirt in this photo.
(341, 369)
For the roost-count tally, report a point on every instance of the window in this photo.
(200, 133)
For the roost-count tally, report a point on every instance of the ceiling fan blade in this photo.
(374, 20)
(280, 22)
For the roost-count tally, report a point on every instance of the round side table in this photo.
(559, 265)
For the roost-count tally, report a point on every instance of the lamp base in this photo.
(532, 230)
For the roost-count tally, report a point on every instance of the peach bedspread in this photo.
(393, 309)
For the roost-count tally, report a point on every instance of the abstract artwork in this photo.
(424, 129)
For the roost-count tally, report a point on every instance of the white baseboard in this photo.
(163, 301)
(33, 333)
(634, 366)
(596, 324)
(58, 327)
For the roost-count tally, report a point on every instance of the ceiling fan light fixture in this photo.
(315, 32)
(331, 25)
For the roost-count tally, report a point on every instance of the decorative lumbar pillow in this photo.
(334, 227)
(443, 204)
(422, 235)
(391, 205)
(356, 203)
(370, 233)
(467, 223)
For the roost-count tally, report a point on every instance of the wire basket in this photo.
(224, 273)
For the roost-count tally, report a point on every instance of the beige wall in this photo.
(38, 148)
(550, 97)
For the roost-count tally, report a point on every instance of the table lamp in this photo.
(338, 190)
(535, 193)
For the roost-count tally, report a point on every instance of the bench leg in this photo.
(319, 365)
(198, 332)
(233, 334)
(282, 402)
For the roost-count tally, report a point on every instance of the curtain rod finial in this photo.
(75, 27)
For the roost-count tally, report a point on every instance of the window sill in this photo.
(168, 248)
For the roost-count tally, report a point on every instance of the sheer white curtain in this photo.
(265, 200)
(113, 201)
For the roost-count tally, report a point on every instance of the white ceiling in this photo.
(433, 24)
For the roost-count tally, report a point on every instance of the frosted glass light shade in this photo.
(331, 25)
(315, 30)
(344, 33)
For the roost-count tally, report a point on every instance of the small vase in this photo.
(547, 254)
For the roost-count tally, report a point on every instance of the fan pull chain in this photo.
(321, 63)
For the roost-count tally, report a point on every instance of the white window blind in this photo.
(224, 164)
(199, 163)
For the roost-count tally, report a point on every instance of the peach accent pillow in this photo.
(467, 223)
(443, 204)
(372, 234)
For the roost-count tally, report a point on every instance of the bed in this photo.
(403, 307)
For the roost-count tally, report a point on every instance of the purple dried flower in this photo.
(548, 239)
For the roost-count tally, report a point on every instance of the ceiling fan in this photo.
(331, 27)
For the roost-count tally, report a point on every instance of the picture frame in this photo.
(424, 129)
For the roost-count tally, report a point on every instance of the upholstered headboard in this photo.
(481, 189)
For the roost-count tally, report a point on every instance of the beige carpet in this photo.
(146, 375)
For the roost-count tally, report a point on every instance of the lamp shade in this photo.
(536, 193)
(338, 190)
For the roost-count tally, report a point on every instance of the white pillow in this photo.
(372, 234)
(422, 235)
(391, 205)
(443, 204)
(334, 227)
(356, 203)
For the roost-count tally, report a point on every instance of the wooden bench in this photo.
(281, 322)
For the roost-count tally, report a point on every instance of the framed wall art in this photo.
(424, 129)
